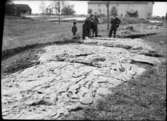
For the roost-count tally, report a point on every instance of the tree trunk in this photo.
(107, 5)
(59, 10)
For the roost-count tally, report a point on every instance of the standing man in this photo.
(86, 28)
(91, 18)
(115, 21)
(95, 22)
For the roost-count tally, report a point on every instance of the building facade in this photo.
(123, 8)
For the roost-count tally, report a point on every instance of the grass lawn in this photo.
(20, 32)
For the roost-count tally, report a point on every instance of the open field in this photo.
(101, 78)
(19, 32)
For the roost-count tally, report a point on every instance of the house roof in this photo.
(118, 2)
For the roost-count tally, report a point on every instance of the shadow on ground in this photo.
(143, 98)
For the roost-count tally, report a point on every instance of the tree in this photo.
(10, 8)
(58, 5)
(42, 7)
(22, 9)
(59, 9)
(67, 10)
(107, 6)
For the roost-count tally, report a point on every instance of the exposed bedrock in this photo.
(74, 76)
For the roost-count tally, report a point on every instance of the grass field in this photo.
(20, 32)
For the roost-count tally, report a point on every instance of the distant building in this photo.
(17, 9)
(123, 8)
(22, 9)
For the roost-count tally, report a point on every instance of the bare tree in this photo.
(42, 7)
(58, 5)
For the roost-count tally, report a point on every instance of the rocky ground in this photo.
(99, 78)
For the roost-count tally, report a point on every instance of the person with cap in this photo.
(86, 28)
(74, 28)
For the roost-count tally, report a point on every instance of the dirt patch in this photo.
(139, 99)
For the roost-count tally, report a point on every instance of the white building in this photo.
(144, 9)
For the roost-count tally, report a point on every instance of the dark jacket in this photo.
(86, 27)
(115, 22)
(88, 23)
(96, 21)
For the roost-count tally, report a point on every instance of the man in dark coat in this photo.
(91, 18)
(95, 25)
(86, 28)
(115, 21)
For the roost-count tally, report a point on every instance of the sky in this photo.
(81, 7)
(160, 8)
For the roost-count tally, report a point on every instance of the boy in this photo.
(74, 28)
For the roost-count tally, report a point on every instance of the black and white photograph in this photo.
(84, 60)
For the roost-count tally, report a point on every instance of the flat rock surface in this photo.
(74, 76)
